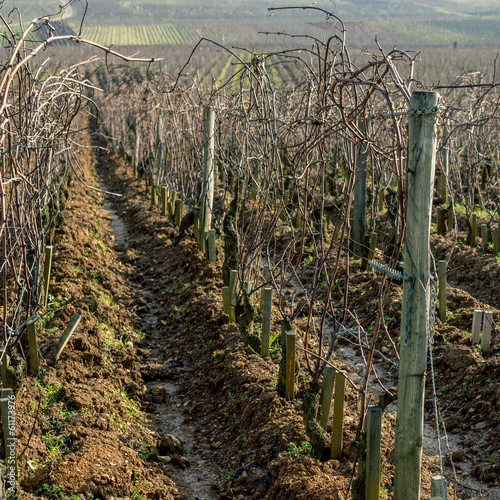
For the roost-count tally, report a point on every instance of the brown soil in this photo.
(156, 395)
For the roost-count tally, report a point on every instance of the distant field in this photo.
(173, 22)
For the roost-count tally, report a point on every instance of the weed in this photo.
(106, 300)
(490, 382)
(214, 357)
(133, 409)
(178, 311)
(52, 491)
(49, 392)
(493, 458)
(304, 448)
(446, 388)
(56, 444)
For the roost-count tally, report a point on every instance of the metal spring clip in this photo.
(397, 275)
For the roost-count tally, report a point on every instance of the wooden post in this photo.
(371, 251)
(440, 220)
(438, 487)
(163, 194)
(496, 241)
(441, 186)
(381, 200)
(476, 326)
(61, 344)
(233, 285)
(484, 237)
(3, 369)
(212, 250)
(473, 231)
(325, 401)
(8, 412)
(153, 194)
(338, 417)
(413, 363)
(136, 150)
(373, 434)
(487, 326)
(359, 210)
(207, 198)
(47, 266)
(442, 290)
(196, 225)
(34, 360)
(446, 165)
(290, 365)
(178, 213)
(267, 302)
(226, 300)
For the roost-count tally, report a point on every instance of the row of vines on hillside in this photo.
(289, 157)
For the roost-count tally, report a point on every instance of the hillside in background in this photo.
(150, 22)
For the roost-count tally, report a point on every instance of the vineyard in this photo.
(242, 273)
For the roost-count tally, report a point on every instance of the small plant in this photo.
(52, 491)
(56, 444)
(446, 388)
(50, 393)
(179, 311)
(304, 448)
(133, 409)
(493, 458)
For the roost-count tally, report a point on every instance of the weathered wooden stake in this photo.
(371, 251)
(438, 487)
(487, 326)
(8, 412)
(373, 434)
(290, 365)
(496, 241)
(196, 225)
(381, 200)
(267, 303)
(359, 209)
(338, 417)
(476, 326)
(61, 344)
(178, 213)
(207, 197)
(3, 370)
(212, 250)
(484, 237)
(266, 273)
(47, 266)
(226, 300)
(34, 360)
(413, 363)
(325, 400)
(154, 201)
(163, 194)
(441, 220)
(233, 285)
(473, 231)
(442, 289)
(136, 150)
